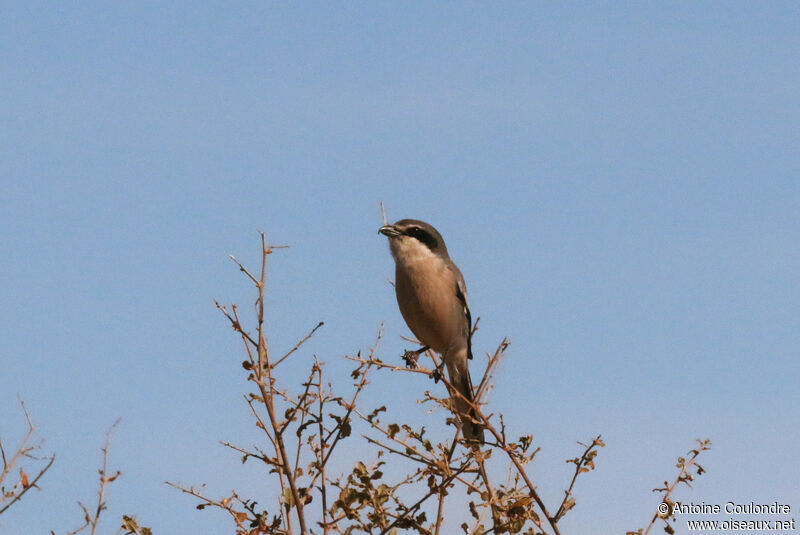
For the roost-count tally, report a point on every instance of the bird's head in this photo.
(409, 236)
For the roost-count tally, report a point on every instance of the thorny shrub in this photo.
(302, 431)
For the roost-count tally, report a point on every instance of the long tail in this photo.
(458, 370)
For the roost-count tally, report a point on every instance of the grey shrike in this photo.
(432, 297)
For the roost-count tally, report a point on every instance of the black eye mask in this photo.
(423, 236)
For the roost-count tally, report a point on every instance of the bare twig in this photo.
(268, 394)
(301, 342)
(492, 498)
(225, 504)
(491, 366)
(262, 376)
(340, 430)
(24, 450)
(30, 485)
(323, 484)
(105, 479)
(583, 464)
(684, 476)
(91, 519)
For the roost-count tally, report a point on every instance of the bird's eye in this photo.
(422, 235)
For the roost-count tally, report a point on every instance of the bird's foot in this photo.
(410, 357)
(437, 372)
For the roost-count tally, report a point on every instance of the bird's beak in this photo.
(389, 230)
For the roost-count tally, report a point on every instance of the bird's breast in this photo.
(426, 295)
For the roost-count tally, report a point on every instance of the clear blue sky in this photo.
(619, 183)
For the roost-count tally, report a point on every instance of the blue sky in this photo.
(619, 184)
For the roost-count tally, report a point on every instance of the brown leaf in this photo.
(286, 497)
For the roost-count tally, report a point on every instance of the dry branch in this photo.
(25, 451)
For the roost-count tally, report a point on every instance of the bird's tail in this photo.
(458, 370)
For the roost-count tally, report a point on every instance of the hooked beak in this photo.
(389, 231)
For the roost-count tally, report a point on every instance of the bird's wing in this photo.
(461, 293)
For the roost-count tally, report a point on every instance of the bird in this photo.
(432, 297)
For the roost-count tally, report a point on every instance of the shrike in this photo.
(432, 297)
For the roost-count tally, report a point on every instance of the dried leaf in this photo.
(286, 497)
(393, 430)
(240, 517)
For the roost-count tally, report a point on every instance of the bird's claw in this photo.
(410, 358)
(437, 373)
